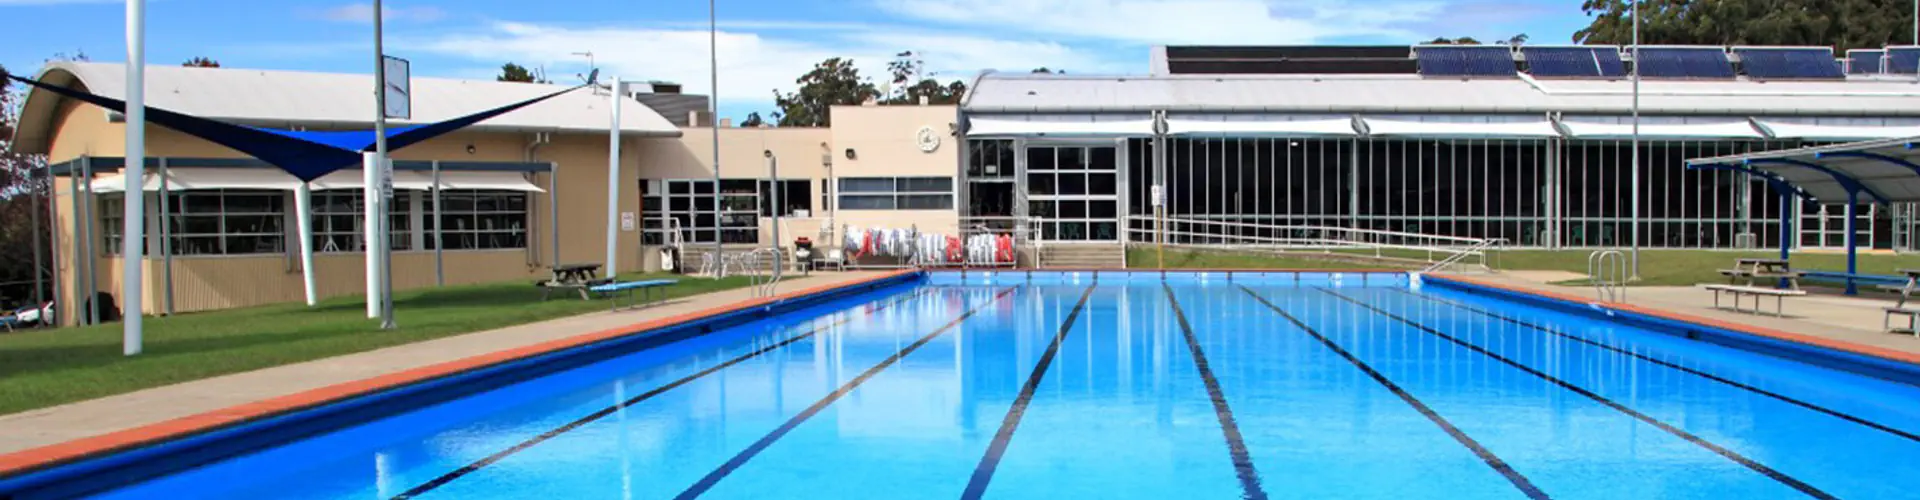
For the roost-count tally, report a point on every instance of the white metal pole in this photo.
(369, 191)
(613, 179)
(166, 240)
(133, 239)
(379, 202)
(303, 209)
(1634, 198)
(713, 112)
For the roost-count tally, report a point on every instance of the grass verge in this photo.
(1657, 267)
(43, 368)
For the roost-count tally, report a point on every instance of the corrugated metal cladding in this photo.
(1343, 94)
(289, 98)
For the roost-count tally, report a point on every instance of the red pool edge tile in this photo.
(61, 453)
(1769, 333)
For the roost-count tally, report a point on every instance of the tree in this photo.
(511, 72)
(934, 92)
(753, 120)
(201, 62)
(1465, 40)
(1842, 24)
(1044, 70)
(831, 82)
(20, 196)
(1516, 40)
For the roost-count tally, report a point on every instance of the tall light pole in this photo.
(384, 271)
(133, 238)
(1634, 185)
(713, 115)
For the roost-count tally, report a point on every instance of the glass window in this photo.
(491, 220)
(866, 185)
(211, 222)
(866, 202)
(339, 220)
(897, 193)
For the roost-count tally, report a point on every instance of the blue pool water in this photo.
(1133, 389)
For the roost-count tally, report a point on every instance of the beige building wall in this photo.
(883, 138)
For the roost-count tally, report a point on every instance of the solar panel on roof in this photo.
(1685, 62)
(1903, 60)
(1864, 62)
(1465, 61)
(1811, 63)
(1574, 61)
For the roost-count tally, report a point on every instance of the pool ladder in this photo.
(1607, 270)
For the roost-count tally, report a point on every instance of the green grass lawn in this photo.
(43, 368)
(1657, 267)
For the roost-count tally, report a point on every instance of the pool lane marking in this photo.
(983, 473)
(1236, 447)
(1776, 475)
(1519, 480)
(713, 478)
(1642, 357)
(610, 410)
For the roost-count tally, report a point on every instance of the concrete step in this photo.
(1084, 256)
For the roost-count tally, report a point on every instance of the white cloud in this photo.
(751, 64)
(1180, 21)
(363, 13)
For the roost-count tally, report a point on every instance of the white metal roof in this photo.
(1342, 127)
(1023, 128)
(328, 100)
(1027, 93)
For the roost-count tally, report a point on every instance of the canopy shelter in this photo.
(176, 174)
(308, 156)
(1883, 171)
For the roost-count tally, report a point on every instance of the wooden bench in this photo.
(627, 288)
(1779, 296)
(1906, 291)
(571, 277)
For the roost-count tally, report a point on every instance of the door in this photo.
(1073, 190)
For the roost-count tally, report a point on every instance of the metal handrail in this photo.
(1328, 238)
(1603, 267)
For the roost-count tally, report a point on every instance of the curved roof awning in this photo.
(1726, 130)
(1886, 171)
(1377, 127)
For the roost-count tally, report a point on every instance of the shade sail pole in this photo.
(615, 87)
(378, 202)
(369, 191)
(133, 241)
(303, 210)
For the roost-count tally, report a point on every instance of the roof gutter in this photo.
(1542, 87)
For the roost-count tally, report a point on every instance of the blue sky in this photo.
(764, 44)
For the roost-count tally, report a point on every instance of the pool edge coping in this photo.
(1795, 339)
(34, 460)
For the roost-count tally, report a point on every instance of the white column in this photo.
(133, 236)
(613, 181)
(369, 192)
(303, 212)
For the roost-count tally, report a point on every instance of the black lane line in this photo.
(713, 478)
(1236, 447)
(604, 412)
(1513, 476)
(983, 473)
(1776, 475)
(1642, 357)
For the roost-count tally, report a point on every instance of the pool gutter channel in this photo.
(113, 467)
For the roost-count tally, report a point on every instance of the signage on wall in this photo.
(927, 139)
(1159, 196)
(626, 221)
(398, 87)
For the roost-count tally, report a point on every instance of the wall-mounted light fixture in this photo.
(851, 155)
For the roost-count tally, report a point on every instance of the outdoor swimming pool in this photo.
(1292, 386)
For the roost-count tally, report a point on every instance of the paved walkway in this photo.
(1821, 314)
(67, 422)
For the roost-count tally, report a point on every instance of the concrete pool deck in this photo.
(68, 422)
(1830, 316)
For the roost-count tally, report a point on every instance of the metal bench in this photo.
(1779, 297)
(628, 287)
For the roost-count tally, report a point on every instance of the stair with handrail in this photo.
(1607, 271)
